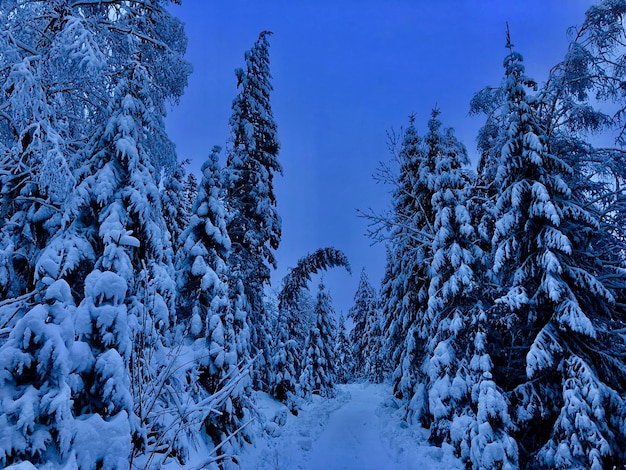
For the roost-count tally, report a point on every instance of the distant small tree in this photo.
(319, 373)
(363, 314)
(190, 192)
(374, 351)
(344, 353)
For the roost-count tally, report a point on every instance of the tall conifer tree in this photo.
(204, 305)
(551, 314)
(404, 288)
(253, 225)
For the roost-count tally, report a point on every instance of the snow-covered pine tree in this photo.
(112, 106)
(319, 371)
(190, 192)
(175, 210)
(36, 417)
(133, 274)
(205, 248)
(362, 313)
(465, 406)
(253, 224)
(374, 352)
(549, 339)
(404, 288)
(385, 305)
(285, 364)
(451, 278)
(203, 303)
(487, 427)
(344, 353)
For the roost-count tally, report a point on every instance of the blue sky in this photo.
(344, 73)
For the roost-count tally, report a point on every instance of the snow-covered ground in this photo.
(357, 430)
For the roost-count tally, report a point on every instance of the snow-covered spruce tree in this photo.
(124, 286)
(175, 209)
(203, 302)
(38, 133)
(132, 275)
(344, 353)
(385, 305)
(286, 364)
(487, 427)
(36, 419)
(465, 407)
(404, 287)
(190, 193)
(375, 361)
(205, 248)
(548, 337)
(362, 312)
(253, 224)
(286, 357)
(319, 371)
(451, 277)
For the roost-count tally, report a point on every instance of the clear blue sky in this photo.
(345, 72)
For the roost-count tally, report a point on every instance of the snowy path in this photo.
(351, 439)
(356, 431)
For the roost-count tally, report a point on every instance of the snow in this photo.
(358, 429)
(103, 441)
(105, 286)
(22, 466)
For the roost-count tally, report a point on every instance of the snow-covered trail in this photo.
(358, 430)
(352, 437)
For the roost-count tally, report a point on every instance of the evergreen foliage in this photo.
(175, 209)
(253, 224)
(366, 325)
(135, 320)
(552, 297)
(344, 353)
(404, 288)
(319, 368)
(292, 328)
(190, 193)
(203, 304)
(35, 410)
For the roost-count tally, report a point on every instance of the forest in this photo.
(138, 319)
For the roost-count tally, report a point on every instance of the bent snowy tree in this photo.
(286, 358)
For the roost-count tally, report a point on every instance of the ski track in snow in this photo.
(358, 430)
